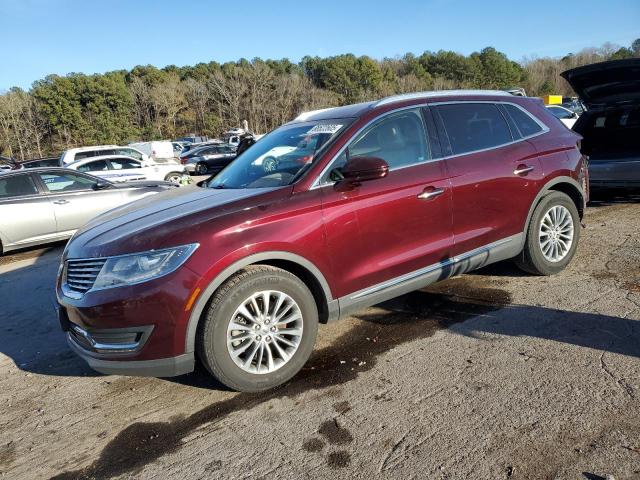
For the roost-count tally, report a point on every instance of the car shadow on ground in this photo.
(463, 308)
(31, 336)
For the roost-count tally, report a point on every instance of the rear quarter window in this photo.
(526, 125)
(474, 126)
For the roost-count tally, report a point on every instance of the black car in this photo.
(208, 159)
(611, 125)
(42, 162)
(7, 163)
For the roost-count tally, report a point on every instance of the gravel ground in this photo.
(494, 374)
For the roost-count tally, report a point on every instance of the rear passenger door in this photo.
(387, 228)
(26, 215)
(126, 169)
(96, 167)
(495, 173)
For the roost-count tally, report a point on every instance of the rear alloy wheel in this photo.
(174, 177)
(259, 330)
(552, 236)
(556, 233)
(201, 169)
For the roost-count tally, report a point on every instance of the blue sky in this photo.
(61, 36)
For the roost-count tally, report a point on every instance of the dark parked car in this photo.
(7, 163)
(42, 162)
(209, 159)
(611, 124)
(399, 193)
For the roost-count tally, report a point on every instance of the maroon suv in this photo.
(337, 210)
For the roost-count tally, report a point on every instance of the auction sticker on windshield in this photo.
(325, 128)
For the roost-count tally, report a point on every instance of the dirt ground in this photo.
(494, 374)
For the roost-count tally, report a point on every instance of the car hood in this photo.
(126, 229)
(606, 83)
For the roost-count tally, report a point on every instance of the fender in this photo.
(545, 190)
(203, 299)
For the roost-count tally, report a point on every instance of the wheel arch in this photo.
(566, 185)
(299, 266)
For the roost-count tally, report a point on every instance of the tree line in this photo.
(61, 112)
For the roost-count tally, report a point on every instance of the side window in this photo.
(474, 126)
(526, 125)
(17, 186)
(82, 155)
(124, 164)
(65, 182)
(129, 152)
(398, 139)
(560, 112)
(97, 166)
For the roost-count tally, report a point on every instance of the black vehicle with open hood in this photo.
(611, 124)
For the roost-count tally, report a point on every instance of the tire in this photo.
(214, 330)
(533, 258)
(173, 177)
(269, 164)
(201, 169)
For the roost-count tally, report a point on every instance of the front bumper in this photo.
(161, 367)
(134, 330)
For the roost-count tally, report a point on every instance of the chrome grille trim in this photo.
(80, 275)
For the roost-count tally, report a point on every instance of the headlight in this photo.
(141, 267)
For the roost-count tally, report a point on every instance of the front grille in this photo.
(81, 274)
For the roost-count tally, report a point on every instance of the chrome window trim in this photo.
(545, 129)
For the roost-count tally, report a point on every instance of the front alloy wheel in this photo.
(264, 332)
(259, 329)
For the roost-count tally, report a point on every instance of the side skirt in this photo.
(494, 252)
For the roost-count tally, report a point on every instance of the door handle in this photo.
(61, 202)
(430, 193)
(522, 170)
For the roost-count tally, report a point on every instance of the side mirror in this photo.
(99, 185)
(362, 169)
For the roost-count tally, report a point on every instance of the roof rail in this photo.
(437, 93)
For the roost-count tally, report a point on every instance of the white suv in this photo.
(75, 154)
(120, 168)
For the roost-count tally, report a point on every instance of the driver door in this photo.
(382, 230)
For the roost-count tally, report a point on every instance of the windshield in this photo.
(281, 156)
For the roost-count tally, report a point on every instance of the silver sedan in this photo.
(48, 204)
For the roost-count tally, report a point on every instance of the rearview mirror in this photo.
(362, 169)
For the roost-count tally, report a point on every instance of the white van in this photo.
(161, 151)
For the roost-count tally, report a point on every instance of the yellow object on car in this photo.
(552, 99)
